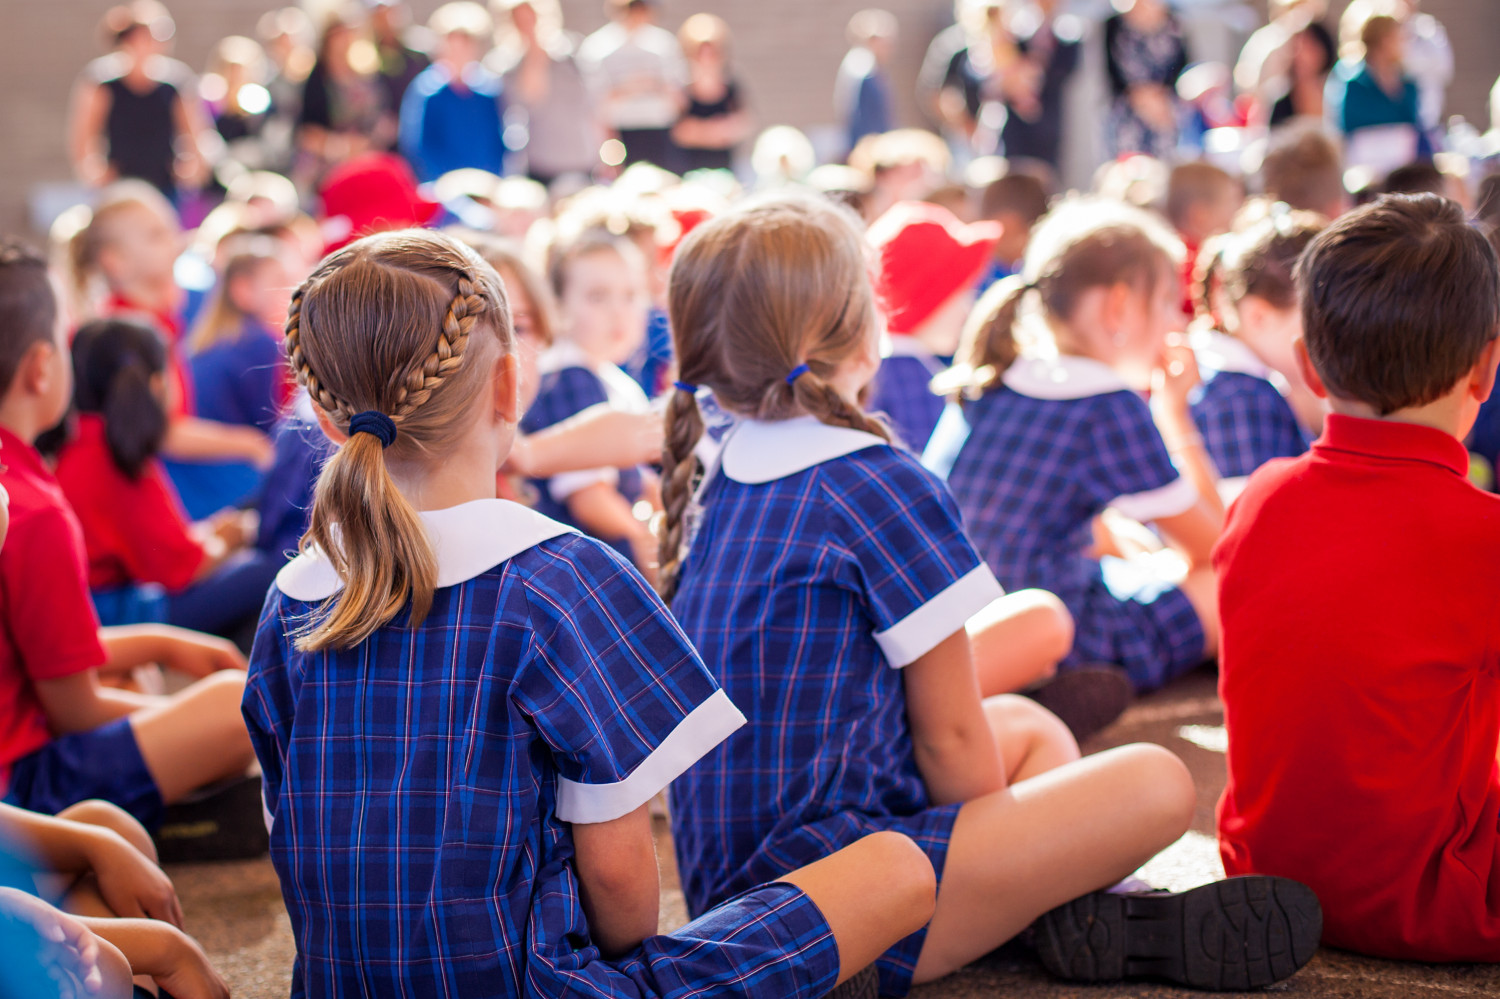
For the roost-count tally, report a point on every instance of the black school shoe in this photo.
(1232, 935)
(1087, 699)
(226, 821)
(865, 985)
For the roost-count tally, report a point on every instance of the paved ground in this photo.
(236, 910)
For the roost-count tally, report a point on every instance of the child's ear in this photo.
(1307, 371)
(330, 431)
(1482, 378)
(37, 368)
(506, 388)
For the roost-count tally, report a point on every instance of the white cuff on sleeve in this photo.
(565, 485)
(919, 632)
(707, 725)
(1177, 496)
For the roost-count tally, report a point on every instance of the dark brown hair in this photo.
(1259, 259)
(1083, 243)
(752, 295)
(388, 324)
(1398, 299)
(1191, 184)
(1305, 170)
(28, 306)
(114, 361)
(1016, 193)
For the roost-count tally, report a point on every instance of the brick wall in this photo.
(786, 51)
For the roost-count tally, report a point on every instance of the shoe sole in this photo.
(1233, 935)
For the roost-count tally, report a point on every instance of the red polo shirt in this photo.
(134, 530)
(50, 630)
(1359, 588)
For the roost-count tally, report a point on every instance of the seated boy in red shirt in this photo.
(63, 737)
(1360, 658)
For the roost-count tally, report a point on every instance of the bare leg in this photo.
(115, 971)
(1201, 589)
(1032, 739)
(1018, 639)
(196, 737)
(873, 893)
(1018, 853)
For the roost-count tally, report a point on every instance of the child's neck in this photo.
(1447, 414)
(464, 476)
(155, 296)
(18, 416)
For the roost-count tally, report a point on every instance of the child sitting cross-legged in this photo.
(462, 708)
(1359, 665)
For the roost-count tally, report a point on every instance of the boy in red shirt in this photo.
(63, 737)
(1360, 657)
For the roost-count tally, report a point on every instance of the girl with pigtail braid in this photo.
(462, 708)
(826, 578)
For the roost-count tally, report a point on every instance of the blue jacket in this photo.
(447, 127)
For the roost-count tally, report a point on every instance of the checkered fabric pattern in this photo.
(1245, 423)
(1030, 477)
(900, 392)
(783, 591)
(414, 786)
(565, 393)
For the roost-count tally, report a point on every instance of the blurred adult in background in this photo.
(400, 60)
(1284, 65)
(639, 77)
(1427, 55)
(957, 74)
(344, 111)
(538, 62)
(287, 35)
(135, 113)
(862, 89)
(1145, 52)
(714, 120)
(1033, 94)
(1375, 104)
(234, 89)
(453, 114)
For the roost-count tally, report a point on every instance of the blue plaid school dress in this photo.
(420, 787)
(822, 560)
(901, 392)
(570, 384)
(1031, 464)
(1245, 421)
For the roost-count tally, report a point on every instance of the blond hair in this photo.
(753, 295)
(388, 324)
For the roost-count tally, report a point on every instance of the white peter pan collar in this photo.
(759, 451)
(1218, 351)
(469, 539)
(1062, 377)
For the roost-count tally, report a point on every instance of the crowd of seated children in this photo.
(1247, 407)
(1357, 593)
(64, 738)
(1050, 430)
(827, 581)
(1201, 203)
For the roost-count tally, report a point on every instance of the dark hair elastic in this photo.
(796, 373)
(376, 424)
(687, 387)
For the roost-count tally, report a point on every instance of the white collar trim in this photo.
(1221, 352)
(1062, 377)
(758, 451)
(905, 345)
(469, 540)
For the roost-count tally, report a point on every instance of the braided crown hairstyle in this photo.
(407, 324)
(752, 295)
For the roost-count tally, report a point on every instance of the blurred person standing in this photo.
(639, 77)
(714, 121)
(862, 90)
(453, 114)
(1146, 52)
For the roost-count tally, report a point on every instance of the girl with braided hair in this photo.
(826, 578)
(462, 707)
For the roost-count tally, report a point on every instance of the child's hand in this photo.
(1175, 380)
(195, 654)
(640, 435)
(236, 528)
(186, 972)
(69, 949)
(130, 884)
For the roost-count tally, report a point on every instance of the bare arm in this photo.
(193, 439)
(598, 437)
(1195, 532)
(163, 953)
(619, 881)
(85, 133)
(78, 703)
(190, 122)
(955, 748)
(602, 511)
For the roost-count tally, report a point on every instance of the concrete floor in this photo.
(235, 910)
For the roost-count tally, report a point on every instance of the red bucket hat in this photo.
(926, 255)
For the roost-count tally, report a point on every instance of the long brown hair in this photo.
(407, 324)
(222, 318)
(1083, 243)
(752, 295)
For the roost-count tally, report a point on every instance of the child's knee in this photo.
(108, 816)
(1055, 621)
(1163, 787)
(114, 973)
(909, 876)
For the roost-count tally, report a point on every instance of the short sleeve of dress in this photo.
(613, 686)
(921, 577)
(1128, 466)
(268, 704)
(1245, 423)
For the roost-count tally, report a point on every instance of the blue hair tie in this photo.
(376, 424)
(685, 387)
(796, 373)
